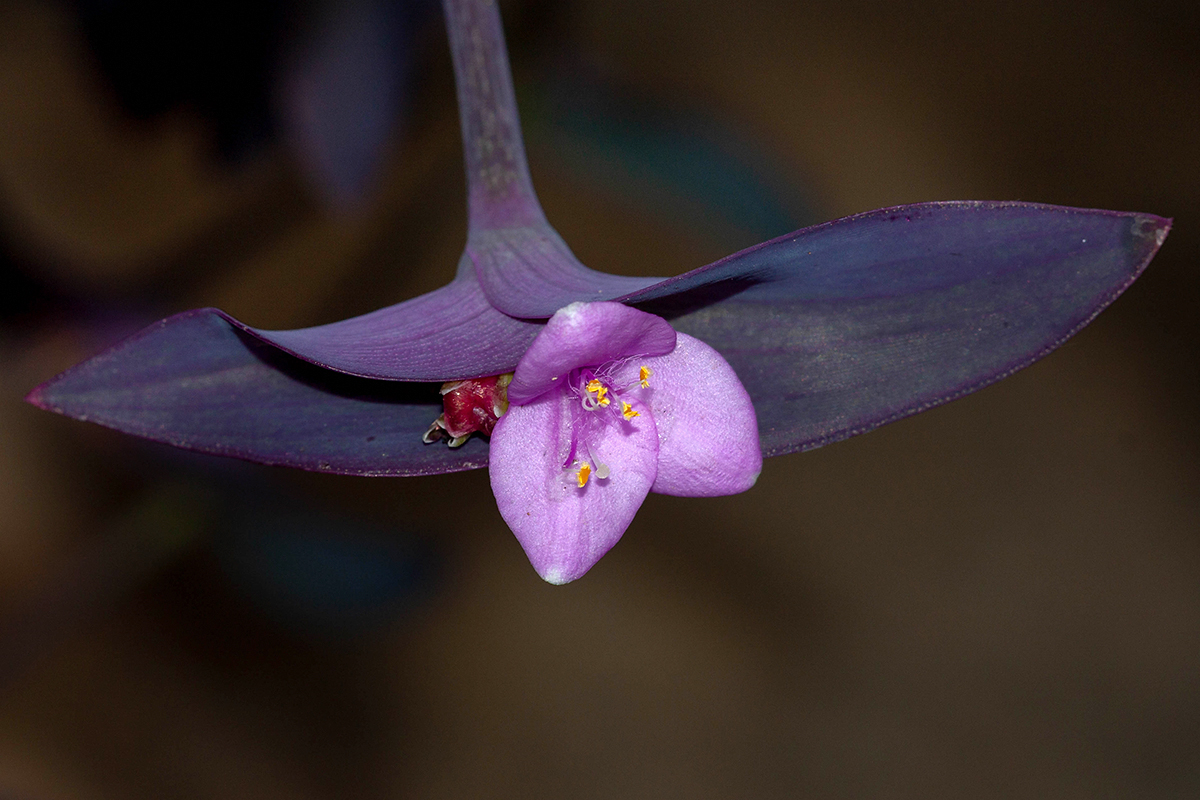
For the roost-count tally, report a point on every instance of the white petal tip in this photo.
(556, 577)
(572, 312)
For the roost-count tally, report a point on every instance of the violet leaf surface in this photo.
(447, 334)
(196, 382)
(845, 326)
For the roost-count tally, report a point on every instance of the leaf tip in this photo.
(1152, 227)
(37, 397)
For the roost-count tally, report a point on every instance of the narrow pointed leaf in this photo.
(197, 382)
(839, 328)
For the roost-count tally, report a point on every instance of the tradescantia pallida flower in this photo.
(608, 404)
(794, 343)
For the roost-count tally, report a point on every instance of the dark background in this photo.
(997, 598)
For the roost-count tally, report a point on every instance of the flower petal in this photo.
(587, 335)
(565, 529)
(195, 381)
(840, 328)
(707, 433)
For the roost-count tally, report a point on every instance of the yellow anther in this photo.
(582, 476)
(597, 388)
(644, 377)
(627, 411)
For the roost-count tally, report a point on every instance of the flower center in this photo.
(600, 404)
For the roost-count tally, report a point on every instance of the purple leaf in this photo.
(447, 334)
(197, 382)
(845, 326)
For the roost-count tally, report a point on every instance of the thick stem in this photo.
(499, 191)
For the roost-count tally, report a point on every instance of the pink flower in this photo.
(608, 404)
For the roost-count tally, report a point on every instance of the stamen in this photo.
(601, 467)
(595, 395)
(575, 426)
(595, 392)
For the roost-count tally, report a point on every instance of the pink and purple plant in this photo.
(620, 386)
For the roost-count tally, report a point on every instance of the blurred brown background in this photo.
(997, 598)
